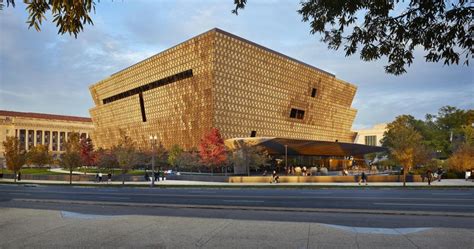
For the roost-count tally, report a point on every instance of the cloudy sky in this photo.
(50, 73)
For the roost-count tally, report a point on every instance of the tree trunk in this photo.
(404, 177)
(70, 175)
(212, 170)
(123, 178)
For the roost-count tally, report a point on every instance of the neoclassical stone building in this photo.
(220, 80)
(39, 128)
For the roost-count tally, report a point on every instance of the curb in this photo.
(251, 208)
(275, 186)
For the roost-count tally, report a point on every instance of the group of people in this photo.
(99, 176)
(292, 170)
(430, 175)
(156, 176)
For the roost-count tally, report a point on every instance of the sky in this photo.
(50, 73)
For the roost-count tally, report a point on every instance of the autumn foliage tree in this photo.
(88, 155)
(71, 158)
(404, 143)
(126, 153)
(39, 155)
(212, 150)
(14, 156)
(462, 159)
(106, 159)
(174, 157)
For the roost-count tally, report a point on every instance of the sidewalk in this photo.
(183, 183)
(63, 171)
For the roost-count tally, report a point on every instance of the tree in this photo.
(462, 159)
(248, 156)
(447, 130)
(442, 28)
(125, 152)
(39, 155)
(212, 149)
(189, 160)
(106, 159)
(69, 16)
(404, 142)
(174, 156)
(14, 157)
(88, 156)
(71, 158)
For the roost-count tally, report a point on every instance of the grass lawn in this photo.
(33, 171)
(115, 171)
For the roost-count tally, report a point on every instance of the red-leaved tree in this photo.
(212, 149)
(88, 155)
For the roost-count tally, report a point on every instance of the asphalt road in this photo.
(102, 200)
(436, 200)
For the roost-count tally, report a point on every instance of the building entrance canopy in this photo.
(299, 147)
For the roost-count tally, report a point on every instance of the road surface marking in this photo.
(245, 201)
(202, 192)
(316, 192)
(113, 197)
(305, 197)
(451, 193)
(421, 204)
(20, 194)
(66, 214)
(378, 230)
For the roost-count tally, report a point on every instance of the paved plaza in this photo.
(28, 228)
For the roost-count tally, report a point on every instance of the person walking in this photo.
(363, 178)
(440, 173)
(19, 175)
(97, 177)
(109, 177)
(147, 177)
(162, 175)
(429, 176)
(100, 176)
(275, 177)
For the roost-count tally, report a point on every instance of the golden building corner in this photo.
(217, 79)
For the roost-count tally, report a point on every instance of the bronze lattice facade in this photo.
(220, 80)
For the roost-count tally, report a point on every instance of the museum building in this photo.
(39, 128)
(218, 79)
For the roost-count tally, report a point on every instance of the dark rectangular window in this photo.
(47, 138)
(314, 92)
(371, 140)
(31, 138)
(39, 137)
(22, 139)
(293, 113)
(62, 141)
(142, 107)
(296, 113)
(253, 133)
(162, 82)
(55, 141)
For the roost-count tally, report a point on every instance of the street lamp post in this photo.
(153, 140)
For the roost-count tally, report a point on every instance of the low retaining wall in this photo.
(200, 178)
(302, 179)
(76, 178)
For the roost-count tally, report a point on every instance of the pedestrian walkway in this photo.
(63, 171)
(445, 182)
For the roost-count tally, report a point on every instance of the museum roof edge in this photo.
(270, 50)
(44, 116)
(235, 37)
